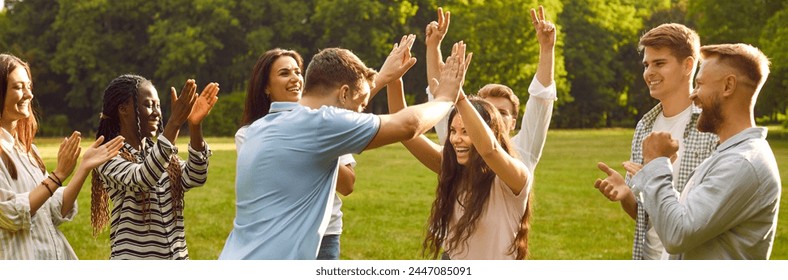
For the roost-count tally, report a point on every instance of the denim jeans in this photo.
(329, 248)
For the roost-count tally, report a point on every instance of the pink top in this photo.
(496, 227)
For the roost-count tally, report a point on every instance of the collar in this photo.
(7, 141)
(277, 107)
(750, 133)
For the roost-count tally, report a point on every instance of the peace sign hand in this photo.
(545, 30)
(436, 30)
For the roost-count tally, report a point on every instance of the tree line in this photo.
(76, 47)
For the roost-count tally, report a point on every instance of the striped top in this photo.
(161, 235)
(22, 236)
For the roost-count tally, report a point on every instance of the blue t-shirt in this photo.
(284, 178)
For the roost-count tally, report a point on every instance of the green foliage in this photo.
(225, 117)
(76, 47)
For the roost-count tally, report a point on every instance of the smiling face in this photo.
(285, 81)
(19, 94)
(663, 73)
(460, 140)
(709, 85)
(148, 110)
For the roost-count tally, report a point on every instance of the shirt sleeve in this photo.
(195, 169)
(344, 131)
(347, 159)
(442, 127)
(56, 207)
(716, 202)
(14, 207)
(530, 140)
(240, 138)
(130, 176)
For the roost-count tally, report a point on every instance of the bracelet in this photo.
(58, 181)
(48, 189)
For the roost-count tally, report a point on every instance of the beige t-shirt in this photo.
(497, 226)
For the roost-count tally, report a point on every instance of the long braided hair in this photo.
(25, 128)
(119, 91)
(469, 186)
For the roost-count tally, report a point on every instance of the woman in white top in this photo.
(32, 205)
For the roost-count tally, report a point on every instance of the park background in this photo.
(76, 47)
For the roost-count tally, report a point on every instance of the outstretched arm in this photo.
(530, 140)
(435, 32)
(415, 120)
(426, 151)
(545, 34)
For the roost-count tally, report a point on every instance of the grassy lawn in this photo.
(385, 216)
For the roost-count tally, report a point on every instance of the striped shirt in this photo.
(697, 147)
(24, 236)
(161, 235)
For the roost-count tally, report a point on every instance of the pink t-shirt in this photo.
(497, 226)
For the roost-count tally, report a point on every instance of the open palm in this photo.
(204, 103)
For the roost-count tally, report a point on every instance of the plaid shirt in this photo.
(697, 147)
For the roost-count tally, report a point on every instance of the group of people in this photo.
(702, 182)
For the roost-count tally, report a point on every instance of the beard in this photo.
(711, 117)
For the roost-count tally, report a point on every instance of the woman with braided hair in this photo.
(146, 181)
(32, 204)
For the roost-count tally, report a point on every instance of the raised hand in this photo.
(659, 144)
(67, 156)
(545, 30)
(452, 76)
(398, 62)
(436, 30)
(204, 103)
(613, 187)
(97, 153)
(182, 105)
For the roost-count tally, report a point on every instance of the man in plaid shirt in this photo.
(670, 56)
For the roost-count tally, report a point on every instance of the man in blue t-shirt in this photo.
(286, 169)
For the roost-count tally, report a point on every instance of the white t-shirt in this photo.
(675, 125)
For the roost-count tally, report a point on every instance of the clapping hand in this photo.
(204, 103)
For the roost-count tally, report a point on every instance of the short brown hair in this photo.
(334, 67)
(746, 59)
(682, 41)
(499, 90)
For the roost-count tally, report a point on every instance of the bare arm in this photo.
(346, 179)
(426, 151)
(435, 32)
(545, 34)
(416, 120)
(511, 170)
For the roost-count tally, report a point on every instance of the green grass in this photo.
(385, 216)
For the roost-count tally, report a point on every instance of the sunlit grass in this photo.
(386, 214)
